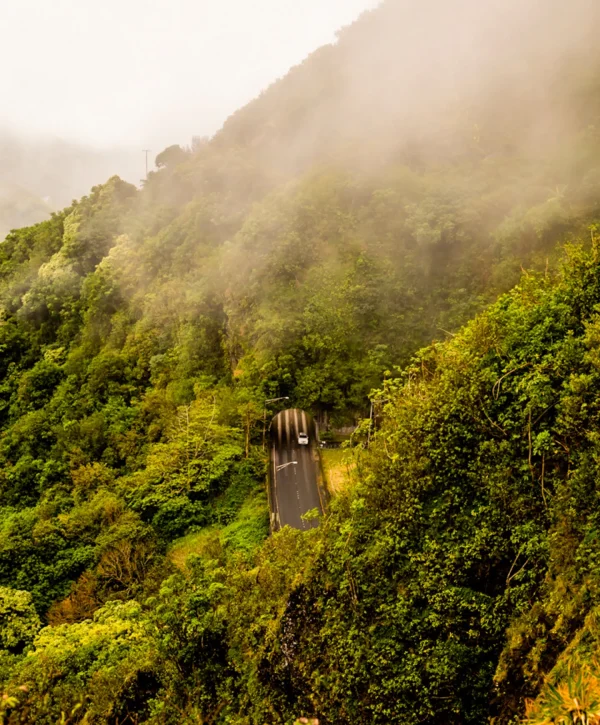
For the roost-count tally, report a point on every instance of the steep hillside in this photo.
(371, 203)
(432, 82)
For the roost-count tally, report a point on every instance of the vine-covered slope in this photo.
(327, 245)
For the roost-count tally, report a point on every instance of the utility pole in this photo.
(146, 151)
(271, 400)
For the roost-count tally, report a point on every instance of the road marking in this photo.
(302, 521)
(285, 465)
(287, 426)
(296, 423)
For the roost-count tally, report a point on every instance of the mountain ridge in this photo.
(434, 285)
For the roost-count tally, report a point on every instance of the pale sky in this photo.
(150, 72)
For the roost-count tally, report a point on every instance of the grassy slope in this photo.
(338, 469)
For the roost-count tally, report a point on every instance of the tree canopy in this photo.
(437, 265)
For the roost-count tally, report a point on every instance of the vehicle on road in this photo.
(295, 478)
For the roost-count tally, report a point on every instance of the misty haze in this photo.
(100, 83)
(300, 362)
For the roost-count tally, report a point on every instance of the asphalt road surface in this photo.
(294, 471)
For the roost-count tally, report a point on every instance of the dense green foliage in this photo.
(141, 332)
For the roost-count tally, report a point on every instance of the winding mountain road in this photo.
(295, 471)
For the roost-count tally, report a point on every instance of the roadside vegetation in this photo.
(338, 468)
(446, 273)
